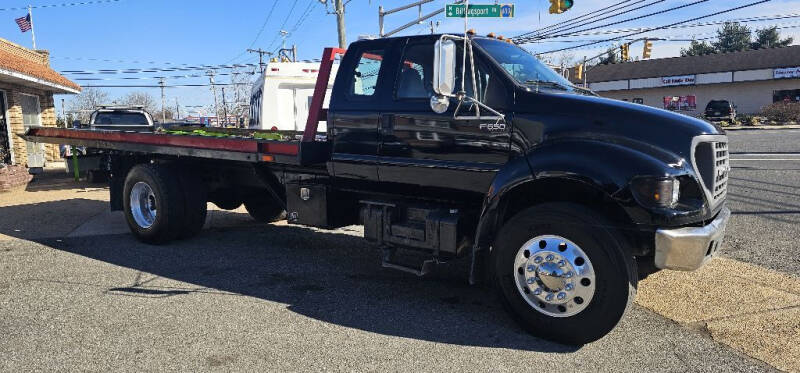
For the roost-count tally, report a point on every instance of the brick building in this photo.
(750, 79)
(27, 85)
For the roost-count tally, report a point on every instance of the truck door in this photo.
(355, 110)
(421, 147)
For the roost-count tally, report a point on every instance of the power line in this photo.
(699, 24)
(158, 86)
(260, 30)
(635, 18)
(661, 27)
(562, 29)
(291, 10)
(62, 5)
(572, 20)
(154, 69)
(162, 77)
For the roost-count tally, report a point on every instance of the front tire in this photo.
(564, 272)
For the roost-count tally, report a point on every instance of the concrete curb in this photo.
(737, 128)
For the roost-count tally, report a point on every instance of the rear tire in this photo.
(153, 204)
(563, 272)
(264, 209)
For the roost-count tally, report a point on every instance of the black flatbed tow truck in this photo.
(456, 146)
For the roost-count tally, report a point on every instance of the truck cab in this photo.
(547, 180)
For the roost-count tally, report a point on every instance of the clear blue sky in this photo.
(215, 32)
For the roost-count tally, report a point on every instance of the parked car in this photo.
(720, 110)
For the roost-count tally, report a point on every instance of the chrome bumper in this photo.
(687, 249)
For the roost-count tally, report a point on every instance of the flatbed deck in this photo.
(235, 149)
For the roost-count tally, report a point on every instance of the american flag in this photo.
(24, 23)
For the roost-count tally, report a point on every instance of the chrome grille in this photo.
(710, 158)
(721, 168)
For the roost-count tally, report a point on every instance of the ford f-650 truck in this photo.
(456, 146)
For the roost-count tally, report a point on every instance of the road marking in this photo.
(750, 308)
(765, 159)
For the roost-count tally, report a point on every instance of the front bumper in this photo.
(687, 249)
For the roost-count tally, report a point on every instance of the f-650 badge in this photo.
(493, 127)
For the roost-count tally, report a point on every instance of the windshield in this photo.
(122, 118)
(523, 66)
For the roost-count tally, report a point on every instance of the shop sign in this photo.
(786, 72)
(667, 81)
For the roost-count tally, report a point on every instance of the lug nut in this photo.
(537, 291)
(568, 274)
(531, 281)
(562, 295)
(550, 257)
(549, 297)
(531, 268)
(562, 263)
(569, 287)
(537, 259)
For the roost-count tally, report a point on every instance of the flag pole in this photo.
(33, 34)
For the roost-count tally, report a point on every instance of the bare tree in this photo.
(87, 101)
(565, 59)
(144, 99)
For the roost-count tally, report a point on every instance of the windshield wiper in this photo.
(547, 83)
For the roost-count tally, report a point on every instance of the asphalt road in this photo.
(243, 296)
(764, 196)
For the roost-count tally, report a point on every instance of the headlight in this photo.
(656, 192)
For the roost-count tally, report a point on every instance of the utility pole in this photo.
(214, 89)
(261, 54)
(224, 105)
(340, 23)
(163, 104)
(177, 109)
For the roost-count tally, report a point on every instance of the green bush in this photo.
(782, 112)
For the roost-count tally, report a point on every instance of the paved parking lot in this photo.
(79, 293)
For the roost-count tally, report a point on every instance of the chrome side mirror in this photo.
(444, 67)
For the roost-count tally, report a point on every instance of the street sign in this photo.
(480, 11)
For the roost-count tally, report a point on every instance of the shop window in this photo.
(787, 95)
(680, 103)
(30, 110)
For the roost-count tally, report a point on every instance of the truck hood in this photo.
(550, 116)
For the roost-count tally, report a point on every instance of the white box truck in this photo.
(282, 95)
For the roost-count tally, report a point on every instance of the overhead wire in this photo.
(699, 24)
(661, 27)
(633, 18)
(155, 69)
(74, 3)
(563, 29)
(572, 20)
(291, 10)
(260, 30)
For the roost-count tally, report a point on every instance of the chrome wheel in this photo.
(554, 276)
(143, 205)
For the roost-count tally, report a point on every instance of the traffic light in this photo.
(624, 50)
(579, 71)
(648, 49)
(560, 6)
